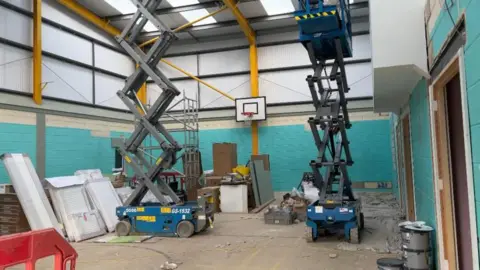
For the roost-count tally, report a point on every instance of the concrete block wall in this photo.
(422, 155)
(17, 134)
(75, 143)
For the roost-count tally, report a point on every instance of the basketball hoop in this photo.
(248, 118)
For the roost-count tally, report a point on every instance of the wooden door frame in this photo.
(446, 233)
(409, 179)
(400, 166)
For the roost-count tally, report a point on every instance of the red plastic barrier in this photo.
(31, 246)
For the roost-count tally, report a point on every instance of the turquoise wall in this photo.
(70, 149)
(422, 155)
(443, 26)
(292, 147)
(16, 138)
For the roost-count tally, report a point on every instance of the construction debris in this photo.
(169, 266)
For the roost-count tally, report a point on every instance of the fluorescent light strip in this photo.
(274, 7)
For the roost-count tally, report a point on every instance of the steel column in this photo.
(37, 51)
(251, 37)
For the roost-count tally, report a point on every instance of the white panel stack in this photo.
(71, 201)
(30, 192)
(105, 199)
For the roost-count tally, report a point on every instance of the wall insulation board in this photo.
(30, 192)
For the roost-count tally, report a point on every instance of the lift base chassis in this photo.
(155, 219)
(325, 218)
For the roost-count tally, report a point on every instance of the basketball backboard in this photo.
(254, 105)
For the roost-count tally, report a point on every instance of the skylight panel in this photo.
(192, 14)
(126, 7)
(274, 7)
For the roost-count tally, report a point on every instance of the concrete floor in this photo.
(236, 242)
(243, 241)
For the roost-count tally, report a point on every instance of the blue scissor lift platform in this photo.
(325, 32)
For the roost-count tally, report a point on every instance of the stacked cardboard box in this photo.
(224, 158)
(12, 217)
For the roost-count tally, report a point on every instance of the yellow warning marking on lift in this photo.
(330, 201)
(159, 160)
(315, 15)
(147, 218)
(140, 209)
(127, 158)
(165, 210)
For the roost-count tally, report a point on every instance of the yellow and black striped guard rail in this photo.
(315, 15)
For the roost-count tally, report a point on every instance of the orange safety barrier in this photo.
(27, 248)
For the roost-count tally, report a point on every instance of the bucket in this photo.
(242, 170)
(417, 260)
(416, 237)
(389, 264)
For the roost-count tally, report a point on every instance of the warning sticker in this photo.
(319, 209)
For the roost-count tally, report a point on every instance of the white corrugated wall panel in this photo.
(287, 55)
(67, 81)
(67, 45)
(113, 61)
(285, 86)
(290, 55)
(25, 4)
(187, 63)
(189, 86)
(15, 27)
(236, 86)
(56, 12)
(362, 48)
(224, 62)
(290, 86)
(198, 46)
(15, 69)
(106, 88)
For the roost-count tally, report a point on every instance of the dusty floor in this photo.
(242, 241)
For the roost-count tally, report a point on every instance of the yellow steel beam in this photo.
(242, 21)
(37, 51)
(90, 16)
(199, 80)
(254, 93)
(178, 29)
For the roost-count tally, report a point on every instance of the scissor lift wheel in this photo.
(185, 229)
(354, 236)
(123, 228)
(308, 235)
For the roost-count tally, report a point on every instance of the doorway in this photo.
(458, 171)
(454, 189)
(407, 162)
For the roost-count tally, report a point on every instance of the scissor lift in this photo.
(170, 216)
(325, 31)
